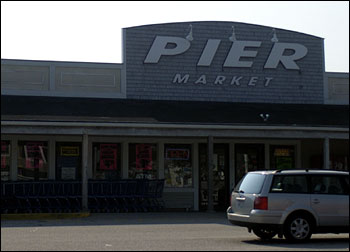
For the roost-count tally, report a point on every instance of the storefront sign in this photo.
(233, 58)
(143, 157)
(282, 152)
(177, 154)
(108, 156)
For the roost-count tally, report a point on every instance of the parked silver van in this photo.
(291, 203)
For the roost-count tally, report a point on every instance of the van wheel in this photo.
(264, 234)
(297, 228)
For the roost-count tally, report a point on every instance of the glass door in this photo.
(220, 177)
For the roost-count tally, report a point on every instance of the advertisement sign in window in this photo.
(143, 157)
(34, 155)
(68, 173)
(108, 156)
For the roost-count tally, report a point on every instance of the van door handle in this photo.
(241, 199)
(316, 201)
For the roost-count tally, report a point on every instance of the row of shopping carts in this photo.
(127, 195)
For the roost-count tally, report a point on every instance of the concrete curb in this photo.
(40, 216)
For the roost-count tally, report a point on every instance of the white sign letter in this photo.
(201, 80)
(237, 51)
(253, 81)
(209, 52)
(277, 56)
(220, 79)
(179, 79)
(236, 80)
(159, 48)
(268, 79)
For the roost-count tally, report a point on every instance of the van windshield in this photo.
(251, 183)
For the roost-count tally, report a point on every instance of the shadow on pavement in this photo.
(313, 243)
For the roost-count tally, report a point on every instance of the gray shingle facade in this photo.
(156, 81)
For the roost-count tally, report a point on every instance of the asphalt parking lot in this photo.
(149, 231)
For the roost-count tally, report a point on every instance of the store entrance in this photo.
(220, 177)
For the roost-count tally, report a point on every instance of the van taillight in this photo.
(260, 203)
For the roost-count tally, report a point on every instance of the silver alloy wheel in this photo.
(300, 228)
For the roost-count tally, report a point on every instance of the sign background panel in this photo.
(155, 81)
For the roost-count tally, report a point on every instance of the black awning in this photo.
(184, 112)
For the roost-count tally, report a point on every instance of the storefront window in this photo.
(143, 161)
(282, 157)
(249, 157)
(5, 160)
(32, 160)
(106, 161)
(68, 161)
(178, 165)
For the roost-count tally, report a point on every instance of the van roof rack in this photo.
(307, 170)
(281, 170)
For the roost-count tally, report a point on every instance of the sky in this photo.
(91, 31)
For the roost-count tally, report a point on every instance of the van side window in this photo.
(289, 184)
(327, 185)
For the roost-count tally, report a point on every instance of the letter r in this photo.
(159, 48)
(288, 61)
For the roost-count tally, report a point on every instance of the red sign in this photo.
(143, 157)
(177, 154)
(5, 148)
(108, 156)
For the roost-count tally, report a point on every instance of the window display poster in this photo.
(5, 149)
(143, 157)
(68, 173)
(34, 154)
(5, 153)
(108, 156)
(3, 162)
(284, 163)
(66, 166)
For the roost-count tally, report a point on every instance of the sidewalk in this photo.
(115, 218)
(38, 216)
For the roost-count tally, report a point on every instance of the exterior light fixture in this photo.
(233, 36)
(274, 36)
(264, 116)
(189, 37)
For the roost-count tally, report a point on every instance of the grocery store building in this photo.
(196, 103)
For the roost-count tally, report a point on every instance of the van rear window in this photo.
(251, 183)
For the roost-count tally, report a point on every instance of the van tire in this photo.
(298, 228)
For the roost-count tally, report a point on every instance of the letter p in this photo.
(159, 48)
